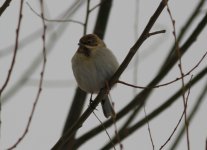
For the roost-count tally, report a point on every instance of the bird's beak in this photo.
(80, 44)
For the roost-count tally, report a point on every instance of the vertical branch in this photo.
(80, 96)
(177, 48)
(102, 18)
(206, 144)
(40, 82)
(14, 56)
(87, 17)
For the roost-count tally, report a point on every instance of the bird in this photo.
(93, 64)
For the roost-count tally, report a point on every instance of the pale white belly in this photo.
(90, 75)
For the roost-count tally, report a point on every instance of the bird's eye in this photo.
(91, 42)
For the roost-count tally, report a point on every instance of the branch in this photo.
(128, 131)
(149, 130)
(85, 25)
(40, 83)
(184, 111)
(14, 56)
(52, 20)
(192, 114)
(80, 96)
(180, 65)
(15, 49)
(141, 97)
(4, 6)
(52, 40)
(112, 81)
(185, 27)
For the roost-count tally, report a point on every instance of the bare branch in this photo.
(104, 129)
(128, 131)
(53, 20)
(87, 17)
(194, 110)
(14, 56)
(4, 6)
(96, 6)
(156, 32)
(178, 121)
(40, 82)
(177, 48)
(141, 97)
(149, 130)
(170, 82)
(113, 80)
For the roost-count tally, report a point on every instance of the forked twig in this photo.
(178, 121)
(52, 20)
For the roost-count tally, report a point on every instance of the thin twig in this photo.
(117, 134)
(148, 127)
(182, 74)
(53, 20)
(178, 121)
(98, 5)
(185, 28)
(14, 56)
(137, 125)
(167, 83)
(156, 32)
(193, 112)
(40, 82)
(114, 121)
(104, 129)
(15, 49)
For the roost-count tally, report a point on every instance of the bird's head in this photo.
(89, 44)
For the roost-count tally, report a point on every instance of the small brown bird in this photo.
(93, 65)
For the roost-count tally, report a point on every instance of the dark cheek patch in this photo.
(87, 52)
(84, 51)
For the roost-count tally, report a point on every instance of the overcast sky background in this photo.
(55, 101)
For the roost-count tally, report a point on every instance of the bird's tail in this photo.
(107, 107)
